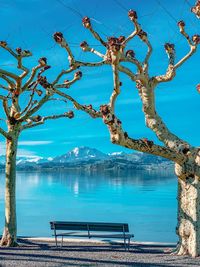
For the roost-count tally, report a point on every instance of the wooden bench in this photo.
(91, 230)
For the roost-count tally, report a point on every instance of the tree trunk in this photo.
(9, 237)
(188, 228)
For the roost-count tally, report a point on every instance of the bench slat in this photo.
(95, 235)
(91, 226)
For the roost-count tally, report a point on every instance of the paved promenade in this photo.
(44, 253)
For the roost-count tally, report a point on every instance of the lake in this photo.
(144, 199)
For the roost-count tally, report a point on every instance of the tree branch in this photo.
(31, 111)
(92, 64)
(32, 76)
(192, 43)
(10, 82)
(2, 97)
(63, 72)
(87, 24)
(130, 57)
(186, 57)
(4, 87)
(85, 47)
(41, 120)
(67, 83)
(134, 77)
(93, 113)
(146, 88)
(20, 66)
(170, 73)
(94, 51)
(18, 56)
(141, 34)
(149, 52)
(6, 108)
(30, 102)
(133, 17)
(58, 37)
(9, 74)
(119, 137)
(154, 121)
(50, 90)
(116, 90)
(4, 133)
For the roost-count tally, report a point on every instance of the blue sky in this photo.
(30, 25)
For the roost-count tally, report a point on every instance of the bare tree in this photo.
(185, 156)
(20, 117)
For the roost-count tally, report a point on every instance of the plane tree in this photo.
(33, 88)
(185, 156)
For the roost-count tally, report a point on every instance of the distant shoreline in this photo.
(91, 160)
(93, 171)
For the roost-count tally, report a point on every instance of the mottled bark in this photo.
(9, 237)
(155, 122)
(188, 227)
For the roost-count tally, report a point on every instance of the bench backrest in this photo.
(89, 226)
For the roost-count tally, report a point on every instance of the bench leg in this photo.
(55, 237)
(125, 243)
(129, 240)
(62, 241)
(56, 240)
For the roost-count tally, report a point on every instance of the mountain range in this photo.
(91, 159)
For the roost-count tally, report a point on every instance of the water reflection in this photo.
(76, 188)
(144, 199)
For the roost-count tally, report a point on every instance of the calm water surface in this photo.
(145, 200)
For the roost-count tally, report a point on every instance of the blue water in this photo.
(144, 199)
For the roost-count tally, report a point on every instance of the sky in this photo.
(31, 24)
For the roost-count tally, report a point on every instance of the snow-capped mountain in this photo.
(26, 159)
(91, 159)
(81, 154)
(32, 160)
(136, 156)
